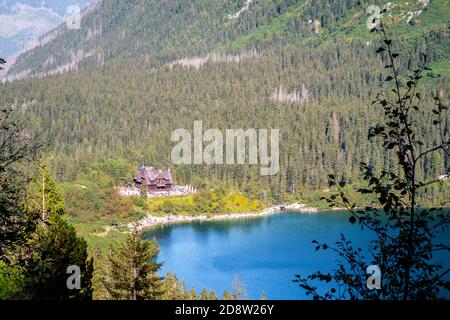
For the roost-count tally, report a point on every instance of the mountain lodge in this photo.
(155, 180)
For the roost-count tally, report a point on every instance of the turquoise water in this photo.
(263, 253)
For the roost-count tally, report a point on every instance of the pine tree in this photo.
(228, 296)
(132, 271)
(45, 197)
(204, 294)
(172, 291)
(53, 248)
(16, 148)
(193, 294)
(184, 294)
(212, 295)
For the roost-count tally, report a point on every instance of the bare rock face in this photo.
(199, 62)
(242, 10)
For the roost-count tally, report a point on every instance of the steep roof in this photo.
(150, 175)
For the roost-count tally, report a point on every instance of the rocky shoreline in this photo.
(153, 221)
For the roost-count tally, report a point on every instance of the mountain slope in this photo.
(306, 67)
(24, 21)
(157, 32)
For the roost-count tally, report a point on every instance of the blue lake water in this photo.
(263, 253)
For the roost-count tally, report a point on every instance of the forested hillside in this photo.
(156, 32)
(238, 71)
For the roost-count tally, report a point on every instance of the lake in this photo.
(264, 253)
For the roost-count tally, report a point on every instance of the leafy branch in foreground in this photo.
(405, 236)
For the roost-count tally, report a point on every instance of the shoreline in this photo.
(151, 221)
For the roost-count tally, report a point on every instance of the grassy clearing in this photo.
(277, 25)
(209, 203)
(100, 230)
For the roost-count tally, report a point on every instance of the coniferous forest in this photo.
(84, 109)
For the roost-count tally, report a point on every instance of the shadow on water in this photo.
(205, 228)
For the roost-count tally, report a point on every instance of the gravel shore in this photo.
(152, 221)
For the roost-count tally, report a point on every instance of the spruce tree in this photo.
(16, 148)
(45, 196)
(54, 248)
(132, 270)
(184, 294)
(193, 294)
(228, 296)
(212, 295)
(48, 250)
(172, 291)
(204, 294)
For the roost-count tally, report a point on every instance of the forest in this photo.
(130, 113)
(100, 102)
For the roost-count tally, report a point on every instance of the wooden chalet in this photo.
(155, 180)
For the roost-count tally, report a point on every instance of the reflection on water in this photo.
(265, 253)
(205, 228)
